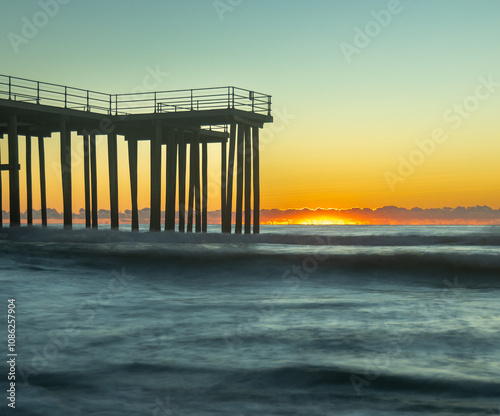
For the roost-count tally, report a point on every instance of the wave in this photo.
(312, 377)
(418, 255)
(282, 378)
(399, 239)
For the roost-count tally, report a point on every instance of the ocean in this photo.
(299, 320)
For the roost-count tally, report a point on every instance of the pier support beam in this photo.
(248, 180)
(1, 192)
(171, 180)
(132, 162)
(230, 174)
(14, 199)
(29, 183)
(239, 179)
(93, 180)
(113, 180)
(192, 158)
(223, 186)
(66, 173)
(182, 180)
(197, 194)
(43, 182)
(155, 218)
(86, 174)
(204, 179)
(256, 181)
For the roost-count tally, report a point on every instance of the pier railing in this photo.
(218, 98)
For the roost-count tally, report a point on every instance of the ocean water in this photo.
(300, 320)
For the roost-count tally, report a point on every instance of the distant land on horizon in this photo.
(388, 215)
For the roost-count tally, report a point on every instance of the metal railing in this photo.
(218, 98)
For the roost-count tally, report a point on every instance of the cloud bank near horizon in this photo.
(388, 215)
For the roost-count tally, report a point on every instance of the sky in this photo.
(375, 103)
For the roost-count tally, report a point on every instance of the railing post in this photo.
(229, 98)
(233, 98)
(252, 97)
(155, 104)
(65, 97)
(38, 92)
(116, 104)
(268, 105)
(88, 101)
(10, 87)
(191, 100)
(110, 104)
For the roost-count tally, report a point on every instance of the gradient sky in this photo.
(341, 128)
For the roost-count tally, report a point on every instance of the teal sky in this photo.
(364, 113)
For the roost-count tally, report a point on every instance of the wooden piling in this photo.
(43, 182)
(1, 191)
(93, 181)
(191, 187)
(14, 198)
(248, 180)
(132, 162)
(182, 180)
(29, 186)
(155, 218)
(197, 195)
(239, 179)
(113, 180)
(171, 180)
(66, 173)
(86, 174)
(230, 173)
(204, 180)
(223, 186)
(256, 181)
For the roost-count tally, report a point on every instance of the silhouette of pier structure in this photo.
(185, 121)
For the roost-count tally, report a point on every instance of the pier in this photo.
(186, 122)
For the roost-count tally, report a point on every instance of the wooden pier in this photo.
(186, 122)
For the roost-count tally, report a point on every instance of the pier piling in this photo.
(113, 180)
(93, 181)
(132, 160)
(14, 198)
(248, 180)
(29, 186)
(86, 175)
(182, 180)
(66, 174)
(43, 180)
